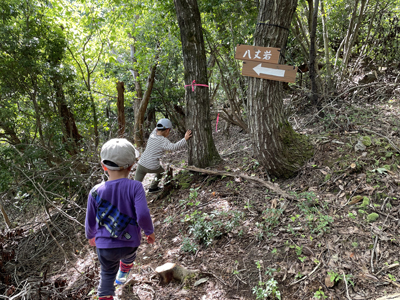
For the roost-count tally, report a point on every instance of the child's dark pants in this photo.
(109, 262)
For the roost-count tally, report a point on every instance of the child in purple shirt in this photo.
(116, 212)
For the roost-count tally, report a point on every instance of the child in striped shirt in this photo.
(157, 144)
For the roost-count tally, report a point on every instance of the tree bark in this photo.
(69, 128)
(313, 56)
(366, 41)
(121, 109)
(201, 148)
(301, 36)
(142, 100)
(352, 33)
(278, 148)
(141, 106)
(5, 216)
(9, 133)
(329, 81)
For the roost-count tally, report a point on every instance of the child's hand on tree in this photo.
(151, 238)
(188, 134)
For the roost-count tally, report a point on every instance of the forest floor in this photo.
(337, 237)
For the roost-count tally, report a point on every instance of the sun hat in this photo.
(164, 124)
(118, 154)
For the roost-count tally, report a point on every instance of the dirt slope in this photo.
(247, 242)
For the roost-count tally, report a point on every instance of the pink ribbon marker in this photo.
(216, 126)
(195, 84)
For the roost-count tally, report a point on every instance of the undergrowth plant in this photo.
(320, 294)
(312, 209)
(204, 227)
(268, 288)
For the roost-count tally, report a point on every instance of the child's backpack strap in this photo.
(110, 217)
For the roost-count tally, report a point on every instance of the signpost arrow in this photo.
(268, 71)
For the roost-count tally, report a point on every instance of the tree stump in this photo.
(170, 271)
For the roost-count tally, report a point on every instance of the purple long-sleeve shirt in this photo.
(125, 194)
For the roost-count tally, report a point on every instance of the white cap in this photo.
(164, 124)
(120, 152)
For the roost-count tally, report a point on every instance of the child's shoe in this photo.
(123, 272)
(122, 277)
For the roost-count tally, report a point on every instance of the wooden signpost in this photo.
(255, 53)
(262, 62)
(269, 71)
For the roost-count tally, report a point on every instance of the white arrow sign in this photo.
(268, 71)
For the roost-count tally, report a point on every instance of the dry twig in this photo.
(347, 289)
(308, 275)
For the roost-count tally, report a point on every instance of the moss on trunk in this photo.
(297, 149)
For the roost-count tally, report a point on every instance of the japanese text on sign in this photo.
(255, 53)
(266, 55)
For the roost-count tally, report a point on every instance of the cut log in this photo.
(170, 271)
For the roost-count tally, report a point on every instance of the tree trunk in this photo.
(121, 109)
(301, 36)
(202, 150)
(95, 121)
(37, 116)
(329, 81)
(69, 128)
(142, 100)
(9, 133)
(366, 41)
(141, 106)
(313, 57)
(5, 216)
(277, 146)
(352, 33)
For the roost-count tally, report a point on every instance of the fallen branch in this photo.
(5, 216)
(390, 297)
(267, 184)
(387, 279)
(308, 275)
(372, 254)
(347, 288)
(388, 267)
(212, 274)
(381, 135)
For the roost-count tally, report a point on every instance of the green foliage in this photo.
(271, 217)
(320, 294)
(267, 289)
(188, 245)
(315, 219)
(334, 277)
(391, 277)
(372, 217)
(365, 202)
(204, 228)
(366, 140)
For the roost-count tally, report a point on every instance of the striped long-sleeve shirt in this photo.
(156, 146)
